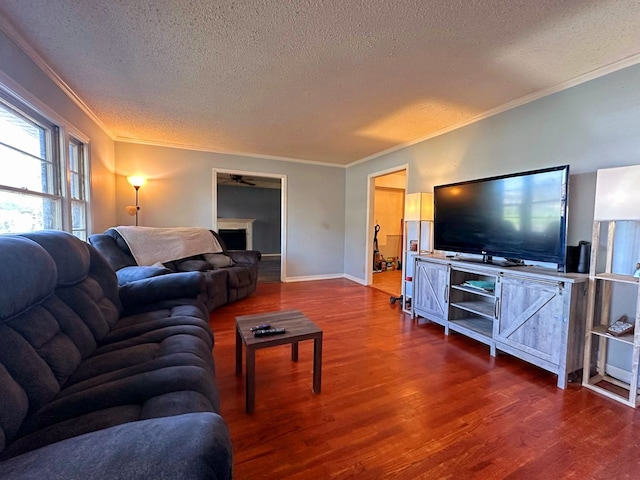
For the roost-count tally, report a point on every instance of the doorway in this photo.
(386, 206)
(253, 205)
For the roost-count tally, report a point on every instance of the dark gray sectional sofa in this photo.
(223, 284)
(101, 381)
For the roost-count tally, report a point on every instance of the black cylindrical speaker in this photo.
(573, 257)
(585, 256)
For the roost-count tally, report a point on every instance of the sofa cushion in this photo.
(194, 446)
(218, 260)
(217, 288)
(136, 324)
(113, 247)
(72, 258)
(28, 372)
(192, 265)
(240, 277)
(28, 275)
(134, 273)
(151, 357)
(166, 391)
(15, 405)
(86, 282)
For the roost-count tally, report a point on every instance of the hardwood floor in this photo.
(389, 281)
(269, 269)
(400, 400)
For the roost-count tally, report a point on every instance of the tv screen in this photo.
(522, 216)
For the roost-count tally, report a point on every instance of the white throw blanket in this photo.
(150, 245)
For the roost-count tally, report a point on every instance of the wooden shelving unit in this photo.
(416, 240)
(603, 310)
(613, 289)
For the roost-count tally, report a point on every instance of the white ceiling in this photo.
(332, 81)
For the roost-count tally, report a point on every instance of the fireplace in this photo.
(237, 233)
(234, 239)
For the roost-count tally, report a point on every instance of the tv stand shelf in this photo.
(533, 313)
(478, 328)
(478, 307)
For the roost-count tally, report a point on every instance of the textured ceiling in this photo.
(330, 81)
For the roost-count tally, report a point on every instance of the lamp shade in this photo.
(617, 194)
(418, 206)
(136, 181)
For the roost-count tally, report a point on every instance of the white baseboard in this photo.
(333, 276)
(361, 281)
(310, 278)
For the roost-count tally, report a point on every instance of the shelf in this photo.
(601, 330)
(478, 307)
(473, 325)
(614, 389)
(615, 277)
(475, 291)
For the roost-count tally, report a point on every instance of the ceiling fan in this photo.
(240, 179)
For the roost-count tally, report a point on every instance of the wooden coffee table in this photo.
(298, 328)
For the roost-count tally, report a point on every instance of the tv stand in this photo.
(532, 313)
(489, 260)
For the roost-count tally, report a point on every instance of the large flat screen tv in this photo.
(521, 216)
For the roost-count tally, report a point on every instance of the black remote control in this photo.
(271, 331)
(264, 326)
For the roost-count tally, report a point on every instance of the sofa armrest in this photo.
(245, 257)
(194, 446)
(163, 287)
(134, 273)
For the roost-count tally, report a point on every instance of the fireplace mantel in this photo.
(245, 224)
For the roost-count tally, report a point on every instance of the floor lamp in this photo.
(136, 182)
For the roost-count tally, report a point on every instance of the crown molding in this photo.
(592, 75)
(13, 33)
(196, 148)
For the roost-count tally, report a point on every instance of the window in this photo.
(40, 187)
(77, 184)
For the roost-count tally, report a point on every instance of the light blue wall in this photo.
(179, 193)
(593, 125)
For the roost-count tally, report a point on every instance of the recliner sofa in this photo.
(101, 381)
(225, 284)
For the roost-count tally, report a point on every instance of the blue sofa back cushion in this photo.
(114, 248)
(70, 255)
(28, 275)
